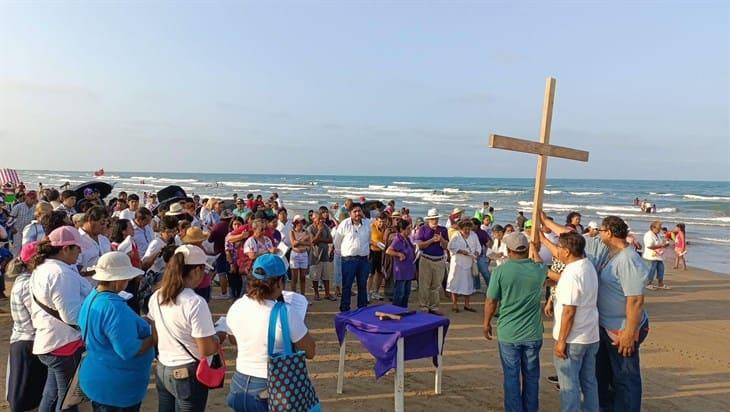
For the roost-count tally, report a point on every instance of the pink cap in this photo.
(65, 236)
(28, 251)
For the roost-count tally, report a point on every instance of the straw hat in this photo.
(176, 209)
(115, 266)
(195, 235)
(432, 214)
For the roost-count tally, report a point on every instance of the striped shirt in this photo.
(20, 307)
(22, 215)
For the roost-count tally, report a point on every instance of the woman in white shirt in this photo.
(498, 251)
(248, 324)
(465, 249)
(58, 291)
(185, 332)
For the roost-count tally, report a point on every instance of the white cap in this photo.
(592, 225)
(193, 255)
(432, 214)
(115, 266)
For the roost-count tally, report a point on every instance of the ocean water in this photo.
(703, 206)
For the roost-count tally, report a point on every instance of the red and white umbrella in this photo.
(9, 176)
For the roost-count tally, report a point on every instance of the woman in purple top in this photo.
(404, 265)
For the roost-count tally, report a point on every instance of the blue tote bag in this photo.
(289, 387)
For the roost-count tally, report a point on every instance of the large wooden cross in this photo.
(542, 149)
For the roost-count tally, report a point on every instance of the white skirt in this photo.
(460, 280)
(299, 260)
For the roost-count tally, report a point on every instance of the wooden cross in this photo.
(542, 149)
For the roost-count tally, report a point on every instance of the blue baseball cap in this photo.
(270, 265)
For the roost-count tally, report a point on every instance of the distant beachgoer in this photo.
(520, 221)
(653, 208)
(680, 247)
(241, 210)
(573, 220)
(481, 213)
(654, 248)
(465, 249)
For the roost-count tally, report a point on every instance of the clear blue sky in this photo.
(365, 88)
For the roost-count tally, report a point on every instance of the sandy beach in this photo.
(685, 364)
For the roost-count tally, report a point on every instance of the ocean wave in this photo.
(414, 202)
(568, 207)
(698, 197)
(585, 193)
(404, 183)
(495, 192)
(662, 194)
(552, 192)
(724, 241)
(450, 190)
(247, 184)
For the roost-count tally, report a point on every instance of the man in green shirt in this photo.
(516, 287)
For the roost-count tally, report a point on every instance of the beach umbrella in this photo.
(165, 204)
(102, 187)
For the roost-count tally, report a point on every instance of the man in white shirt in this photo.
(576, 326)
(653, 250)
(152, 258)
(284, 226)
(93, 243)
(142, 224)
(20, 216)
(353, 238)
(132, 207)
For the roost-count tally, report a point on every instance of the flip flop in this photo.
(665, 287)
(651, 287)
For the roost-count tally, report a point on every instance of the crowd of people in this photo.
(130, 281)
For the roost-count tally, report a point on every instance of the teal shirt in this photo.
(518, 285)
(624, 275)
(112, 373)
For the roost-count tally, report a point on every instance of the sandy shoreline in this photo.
(685, 364)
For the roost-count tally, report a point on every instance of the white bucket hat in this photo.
(115, 266)
(432, 214)
(194, 255)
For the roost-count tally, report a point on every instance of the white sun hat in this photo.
(115, 266)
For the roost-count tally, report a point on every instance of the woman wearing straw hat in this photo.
(119, 344)
(58, 291)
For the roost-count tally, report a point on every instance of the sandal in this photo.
(651, 287)
(664, 287)
(469, 309)
(331, 298)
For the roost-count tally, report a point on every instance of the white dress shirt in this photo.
(353, 240)
(143, 236)
(91, 250)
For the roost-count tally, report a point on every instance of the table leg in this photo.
(341, 367)
(399, 376)
(439, 361)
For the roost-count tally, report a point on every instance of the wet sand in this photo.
(685, 361)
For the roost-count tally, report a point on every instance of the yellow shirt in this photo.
(376, 236)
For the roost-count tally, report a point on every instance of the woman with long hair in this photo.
(235, 278)
(248, 324)
(58, 291)
(573, 221)
(185, 332)
(301, 242)
(122, 239)
(403, 252)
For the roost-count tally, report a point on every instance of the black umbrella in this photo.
(370, 205)
(102, 187)
(165, 204)
(170, 192)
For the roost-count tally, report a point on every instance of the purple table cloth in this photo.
(380, 337)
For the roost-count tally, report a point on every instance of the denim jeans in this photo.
(98, 407)
(354, 268)
(61, 370)
(577, 375)
(483, 267)
(521, 369)
(619, 377)
(244, 394)
(656, 268)
(401, 293)
(179, 395)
